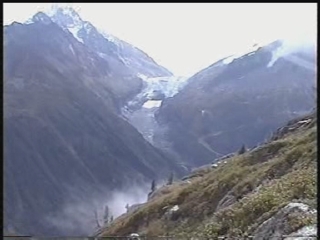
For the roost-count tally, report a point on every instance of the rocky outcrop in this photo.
(226, 201)
(170, 212)
(300, 123)
(305, 233)
(281, 223)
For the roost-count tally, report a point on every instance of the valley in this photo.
(92, 122)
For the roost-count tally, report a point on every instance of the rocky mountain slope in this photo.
(64, 143)
(126, 63)
(239, 100)
(268, 191)
(121, 55)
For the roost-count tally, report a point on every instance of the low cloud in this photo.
(77, 216)
(290, 46)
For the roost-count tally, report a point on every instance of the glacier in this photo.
(140, 111)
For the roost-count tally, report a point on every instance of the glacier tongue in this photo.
(168, 86)
(140, 110)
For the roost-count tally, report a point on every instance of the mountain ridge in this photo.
(70, 20)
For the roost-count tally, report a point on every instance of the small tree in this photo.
(314, 91)
(97, 219)
(153, 185)
(242, 150)
(127, 207)
(170, 179)
(106, 215)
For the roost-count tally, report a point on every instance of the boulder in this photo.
(279, 225)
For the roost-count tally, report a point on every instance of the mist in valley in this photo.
(79, 217)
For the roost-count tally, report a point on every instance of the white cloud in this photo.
(187, 37)
(77, 216)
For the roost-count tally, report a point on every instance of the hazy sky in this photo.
(187, 37)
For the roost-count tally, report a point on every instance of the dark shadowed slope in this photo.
(62, 138)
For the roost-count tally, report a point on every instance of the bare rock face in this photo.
(305, 233)
(281, 223)
(226, 201)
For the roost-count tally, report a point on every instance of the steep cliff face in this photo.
(239, 100)
(63, 139)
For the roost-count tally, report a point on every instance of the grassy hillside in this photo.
(239, 195)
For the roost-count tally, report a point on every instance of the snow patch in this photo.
(152, 104)
(214, 165)
(249, 51)
(169, 86)
(103, 55)
(124, 60)
(53, 9)
(174, 208)
(110, 37)
(74, 31)
(229, 59)
(71, 49)
(142, 76)
(87, 27)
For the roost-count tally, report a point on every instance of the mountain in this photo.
(239, 100)
(127, 64)
(266, 192)
(66, 149)
(120, 54)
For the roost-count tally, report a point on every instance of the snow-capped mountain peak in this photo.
(65, 16)
(65, 11)
(119, 53)
(68, 19)
(41, 17)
